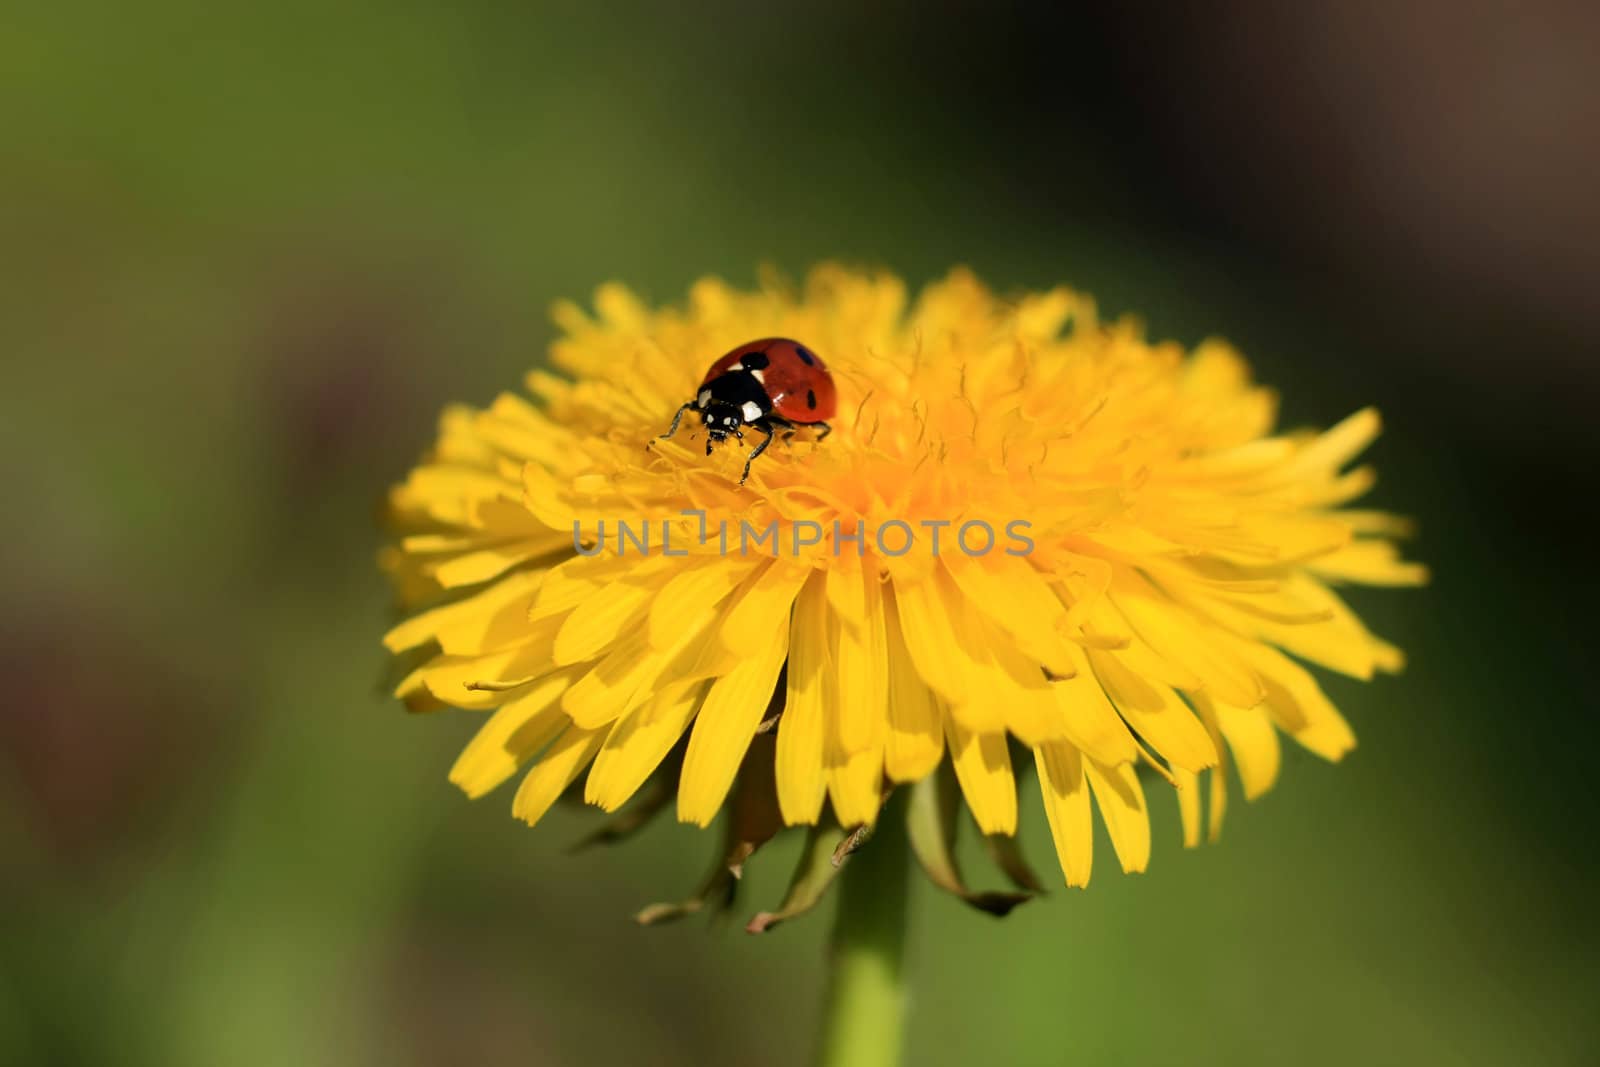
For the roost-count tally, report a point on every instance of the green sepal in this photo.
(931, 825)
(812, 876)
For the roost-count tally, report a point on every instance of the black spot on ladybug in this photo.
(811, 399)
(806, 357)
(756, 361)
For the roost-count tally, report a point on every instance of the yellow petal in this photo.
(728, 719)
(570, 582)
(1016, 598)
(1133, 651)
(492, 629)
(1371, 563)
(1298, 704)
(1156, 712)
(1218, 778)
(930, 638)
(1088, 719)
(1018, 687)
(620, 682)
(1122, 806)
(1080, 583)
(859, 659)
(516, 428)
(1219, 798)
(1377, 523)
(1254, 743)
(915, 741)
(846, 587)
(560, 766)
(983, 767)
(471, 568)
(1287, 538)
(1248, 461)
(799, 769)
(1188, 805)
(1334, 491)
(426, 626)
(1181, 638)
(637, 743)
(1066, 806)
(1341, 643)
(601, 620)
(508, 510)
(513, 734)
(459, 680)
(635, 667)
(1030, 713)
(444, 493)
(1336, 446)
(762, 606)
(689, 593)
(855, 784)
(968, 658)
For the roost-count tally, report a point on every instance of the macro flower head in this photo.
(1038, 553)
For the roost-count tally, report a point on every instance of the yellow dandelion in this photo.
(1032, 537)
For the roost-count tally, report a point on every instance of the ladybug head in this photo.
(722, 421)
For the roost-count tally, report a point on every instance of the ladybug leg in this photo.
(677, 419)
(781, 423)
(823, 430)
(756, 451)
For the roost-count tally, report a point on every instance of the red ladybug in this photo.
(769, 385)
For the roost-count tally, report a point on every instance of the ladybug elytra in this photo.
(768, 385)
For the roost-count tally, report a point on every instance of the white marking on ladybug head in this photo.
(760, 376)
(736, 366)
(751, 411)
(704, 398)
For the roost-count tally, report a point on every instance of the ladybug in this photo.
(769, 385)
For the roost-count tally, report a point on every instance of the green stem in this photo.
(864, 1020)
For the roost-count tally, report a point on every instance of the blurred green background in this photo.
(249, 251)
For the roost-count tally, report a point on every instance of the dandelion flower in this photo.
(1033, 538)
